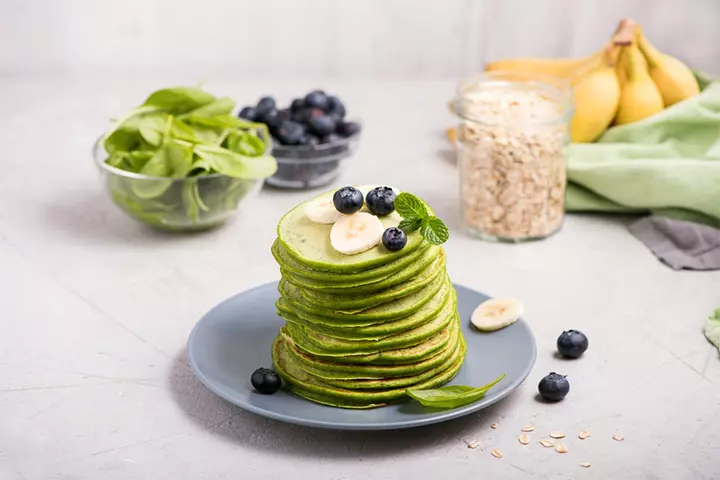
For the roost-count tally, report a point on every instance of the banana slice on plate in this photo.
(497, 313)
(322, 210)
(356, 233)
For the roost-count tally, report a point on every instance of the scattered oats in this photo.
(583, 435)
(494, 426)
(473, 444)
(561, 448)
(528, 428)
(557, 435)
(618, 438)
(524, 439)
(496, 453)
(546, 443)
(586, 464)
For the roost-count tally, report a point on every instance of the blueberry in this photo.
(265, 381)
(572, 343)
(381, 201)
(297, 104)
(322, 125)
(317, 99)
(348, 200)
(336, 118)
(305, 114)
(553, 387)
(248, 113)
(336, 107)
(348, 129)
(330, 138)
(394, 239)
(265, 105)
(269, 118)
(290, 133)
(284, 114)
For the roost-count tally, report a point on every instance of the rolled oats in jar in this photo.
(511, 139)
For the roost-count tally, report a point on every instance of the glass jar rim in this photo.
(559, 88)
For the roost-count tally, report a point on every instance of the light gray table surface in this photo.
(95, 311)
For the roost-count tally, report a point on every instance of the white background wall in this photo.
(342, 39)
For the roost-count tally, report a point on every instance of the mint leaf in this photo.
(434, 230)
(712, 328)
(451, 396)
(409, 225)
(410, 206)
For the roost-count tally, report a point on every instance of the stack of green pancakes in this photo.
(361, 329)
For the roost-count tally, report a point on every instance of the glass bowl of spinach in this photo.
(182, 161)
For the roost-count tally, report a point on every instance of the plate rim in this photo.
(418, 422)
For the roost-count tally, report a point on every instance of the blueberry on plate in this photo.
(394, 239)
(322, 125)
(248, 113)
(348, 200)
(335, 106)
(348, 129)
(554, 387)
(381, 201)
(265, 105)
(317, 99)
(330, 138)
(265, 380)
(572, 343)
(297, 104)
(290, 133)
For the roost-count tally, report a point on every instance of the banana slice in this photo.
(322, 211)
(356, 233)
(497, 313)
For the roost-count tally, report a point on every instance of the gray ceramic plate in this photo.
(234, 339)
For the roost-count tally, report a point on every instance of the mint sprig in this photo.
(416, 217)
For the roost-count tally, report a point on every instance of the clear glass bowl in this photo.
(304, 167)
(177, 204)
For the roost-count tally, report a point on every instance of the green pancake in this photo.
(352, 301)
(327, 371)
(309, 242)
(429, 255)
(307, 386)
(401, 356)
(287, 262)
(444, 299)
(393, 310)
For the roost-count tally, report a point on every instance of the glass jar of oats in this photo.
(511, 139)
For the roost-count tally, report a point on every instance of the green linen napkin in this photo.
(668, 164)
(712, 328)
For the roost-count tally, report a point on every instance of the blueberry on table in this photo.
(394, 239)
(348, 129)
(290, 133)
(554, 387)
(265, 380)
(335, 106)
(248, 113)
(265, 105)
(572, 343)
(348, 200)
(297, 104)
(330, 138)
(381, 201)
(322, 125)
(317, 99)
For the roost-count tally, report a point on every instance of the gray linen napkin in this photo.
(680, 244)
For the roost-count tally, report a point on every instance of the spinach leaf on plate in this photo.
(451, 396)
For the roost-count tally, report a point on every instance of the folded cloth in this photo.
(668, 164)
(712, 328)
(680, 244)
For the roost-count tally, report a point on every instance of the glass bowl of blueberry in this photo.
(311, 138)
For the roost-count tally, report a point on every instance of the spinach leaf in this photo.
(122, 139)
(178, 100)
(451, 396)
(245, 144)
(234, 164)
(220, 106)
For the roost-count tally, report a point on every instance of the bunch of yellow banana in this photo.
(626, 81)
